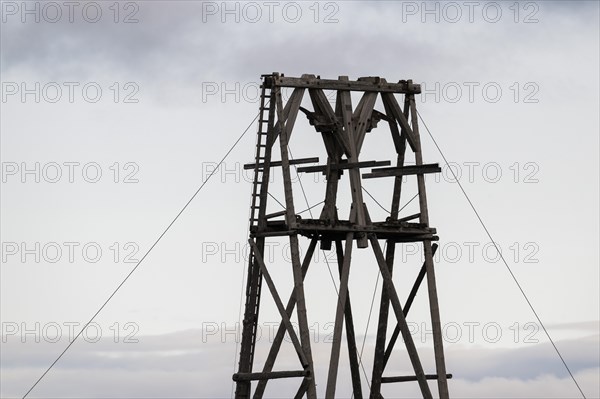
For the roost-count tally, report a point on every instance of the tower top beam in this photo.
(365, 84)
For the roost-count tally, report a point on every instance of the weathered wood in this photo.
(363, 115)
(279, 335)
(393, 106)
(320, 102)
(406, 335)
(410, 217)
(302, 389)
(275, 214)
(355, 184)
(279, 304)
(403, 171)
(259, 203)
(298, 161)
(374, 85)
(343, 130)
(350, 334)
(438, 345)
(405, 378)
(268, 376)
(293, 102)
(407, 305)
(399, 138)
(342, 165)
(339, 315)
(294, 246)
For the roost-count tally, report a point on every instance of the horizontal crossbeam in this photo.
(343, 165)
(269, 376)
(410, 217)
(405, 378)
(298, 161)
(373, 84)
(403, 171)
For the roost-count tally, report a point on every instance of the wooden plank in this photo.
(320, 103)
(298, 161)
(269, 376)
(406, 335)
(398, 138)
(345, 103)
(374, 85)
(382, 325)
(290, 111)
(302, 389)
(391, 102)
(407, 306)
(350, 334)
(279, 304)
(342, 165)
(365, 113)
(280, 334)
(434, 310)
(410, 217)
(405, 378)
(294, 246)
(275, 214)
(418, 170)
(339, 315)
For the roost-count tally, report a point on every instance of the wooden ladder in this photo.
(265, 135)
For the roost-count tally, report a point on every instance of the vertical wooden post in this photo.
(339, 317)
(410, 345)
(438, 345)
(276, 345)
(378, 362)
(294, 247)
(345, 103)
(350, 334)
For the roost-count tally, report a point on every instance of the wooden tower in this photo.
(343, 130)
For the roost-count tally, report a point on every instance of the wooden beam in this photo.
(268, 376)
(302, 389)
(279, 304)
(350, 334)
(410, 217)
(320, 102)
(339, 315)
(294, 246)
(406, 335)
(279, 335)
(407, 305)
(405, 378)
(364, 114)
(342, 165)
(275, 214)
(289, 113)
(391, 102)
(375, 84)
(345, 103)
(378, 363)
(434, 310)
(403, 171)
(298, 161)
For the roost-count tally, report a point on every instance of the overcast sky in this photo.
(113, 114)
